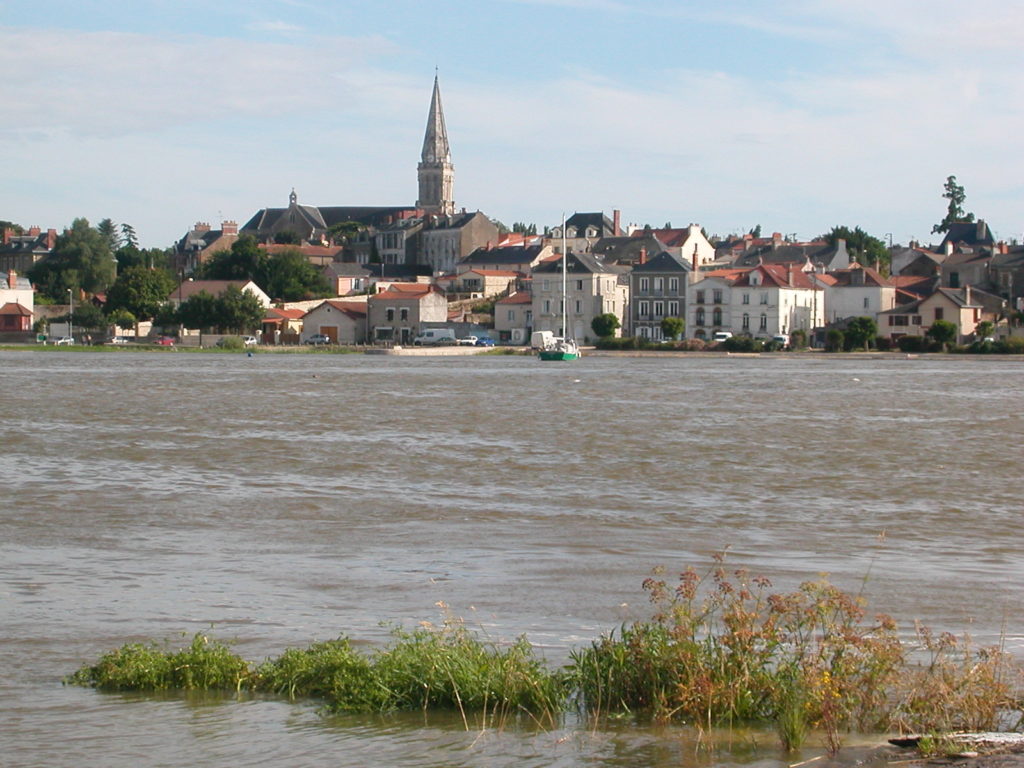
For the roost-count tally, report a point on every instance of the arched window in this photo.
(717, 316)
(746, 321)
(700, 316)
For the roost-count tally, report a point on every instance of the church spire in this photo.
(435, 171)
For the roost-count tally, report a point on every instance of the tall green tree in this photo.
(861, 331)
(865, 249)
(140, 291)
(955, 210)
(199, 311)
(942, 331)
(239, 311)
(128, 236)
(81, 259)
(244, 261)
(289, 276)
(108, 229)
(605, 325)
(673, 327)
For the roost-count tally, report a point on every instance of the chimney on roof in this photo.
(12, 279)
(776, 239)
(643, 254)
(8, 234)
(1003, 248)
(201, 226)
(967, 294)
(789, 274)
(949, 247)
(51, 239)
(34, 231)
(229, 227)
(981, 228)
(616, 221)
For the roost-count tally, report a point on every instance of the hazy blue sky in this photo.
(795, 115)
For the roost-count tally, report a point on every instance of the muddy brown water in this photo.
(275, 500)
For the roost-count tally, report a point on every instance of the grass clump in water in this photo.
(452, 668)
(203, 665)
(331, 670)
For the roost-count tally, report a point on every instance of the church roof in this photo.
(435, 140)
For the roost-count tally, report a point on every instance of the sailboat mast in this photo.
(565, 258)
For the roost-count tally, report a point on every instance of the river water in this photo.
(276, 500)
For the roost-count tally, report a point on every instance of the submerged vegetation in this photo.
(720, 649)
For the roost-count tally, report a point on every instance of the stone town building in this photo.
(20, 252)
(400, 312)
(200, 243)
(592, 288)
(657, 289)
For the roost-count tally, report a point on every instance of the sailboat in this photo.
(562, 347)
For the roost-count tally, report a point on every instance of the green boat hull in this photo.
(552, 354)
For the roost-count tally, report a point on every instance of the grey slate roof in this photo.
(604, 226)
(517, 254)
(579, 263)
(626, 250)
(969, 233)
(664, 262)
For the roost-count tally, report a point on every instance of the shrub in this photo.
(232, 343)
(203, 665)
(331, 670)
(798, 339)
(742, 344)
(834, 340)
(1011, 345)
(917, 344)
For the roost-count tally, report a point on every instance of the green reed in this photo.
(720, 648)
(203, 665)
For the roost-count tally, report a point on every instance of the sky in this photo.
(795, 115)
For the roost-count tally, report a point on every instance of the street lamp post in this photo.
(71, 312)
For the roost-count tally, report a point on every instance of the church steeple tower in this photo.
(435, 171)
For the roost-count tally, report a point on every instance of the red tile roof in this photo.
(519, 297)
(14, 308)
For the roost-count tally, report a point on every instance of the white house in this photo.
(343, 322)
(592, 288)
(856, 292)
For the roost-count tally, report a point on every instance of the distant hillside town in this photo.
(329, 274)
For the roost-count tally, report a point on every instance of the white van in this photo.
(722, 336)
(434, 336)
(542, 339)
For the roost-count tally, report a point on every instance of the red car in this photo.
(164, 341)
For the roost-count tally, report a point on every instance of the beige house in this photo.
(592, 288)
(398, 314)
(964, 307)
(343, 322)
(483, 282)
(513, 318)
(857, 291)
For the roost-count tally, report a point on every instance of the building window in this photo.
(867, 302)
(545, 285)
(700, 297)
(718, 295)
(746, 321)
(390, 313)
(645, 308)
(673, 284)
(547, 306)
(673, 309)
(716, 316)
(700, 316)
(511, 315)
(405, 314)
(657, 283)
(659, 309)
(579, 306)
(645, 284)
(746, 298)
(938, 313)
(764, 322)
(643, 331)
(579, 285)
(954, 279)
(764, 297)
(916, 320)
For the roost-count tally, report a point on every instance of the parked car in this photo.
(317, 339)
(484, 341)
(62, 341)
(119, 340)
(438, 336)
(721, 336)
(467, 341)
(250, 341)
(164, 341)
